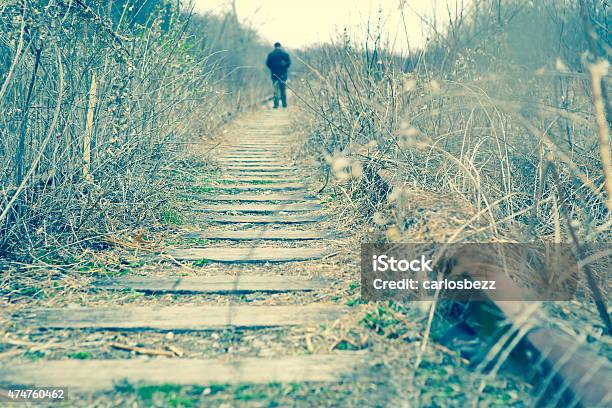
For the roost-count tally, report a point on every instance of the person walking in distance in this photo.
(278, 63)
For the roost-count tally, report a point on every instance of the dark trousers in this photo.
(280, 91)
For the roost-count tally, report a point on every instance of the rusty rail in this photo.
(570, 375)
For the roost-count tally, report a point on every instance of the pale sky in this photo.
(296, 23)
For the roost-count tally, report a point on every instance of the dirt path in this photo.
(254, 304)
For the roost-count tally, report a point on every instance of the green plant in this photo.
(198, 241)
(172, 216)
(201, 189)
(249, 393)
(81, 355)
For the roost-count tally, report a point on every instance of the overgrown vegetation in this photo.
(98, 99)
(503, 110)
(475, 137)
(496, 131)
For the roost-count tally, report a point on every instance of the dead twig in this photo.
(143, 350)
(598, 296)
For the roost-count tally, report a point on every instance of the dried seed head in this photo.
(398, 196)
(356, 170)
(394, 234)
(379, 218)
(408, 137)
(409, 84)
(560, 66)
(339, 163)
(434, 86)
(412, 132)
(424, 305)
(345, 169)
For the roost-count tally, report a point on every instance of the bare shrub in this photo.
(496, 131)
(481, 112)
(97, 100)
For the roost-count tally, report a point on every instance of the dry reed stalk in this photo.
(598, 297)
(50, 133)
(89, 130)
(17, 54)
(597, 72)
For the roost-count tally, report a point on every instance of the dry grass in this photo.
(99, 101)
(468, 119)
(476, 138)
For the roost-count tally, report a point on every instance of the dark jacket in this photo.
(278, 62)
